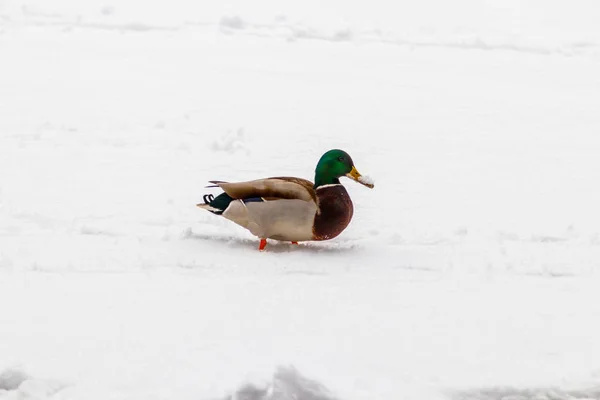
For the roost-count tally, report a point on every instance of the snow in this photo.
(469, 272)
(366, 180)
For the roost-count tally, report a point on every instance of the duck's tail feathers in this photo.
(208, 207)
(216, 205)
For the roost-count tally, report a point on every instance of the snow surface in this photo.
(366, 180)
(470, 272)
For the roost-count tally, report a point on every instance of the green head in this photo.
(335, 164)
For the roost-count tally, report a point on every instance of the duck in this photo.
(291, 209)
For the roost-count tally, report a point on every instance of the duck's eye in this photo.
(340, 158)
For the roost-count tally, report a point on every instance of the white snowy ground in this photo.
(471, 271)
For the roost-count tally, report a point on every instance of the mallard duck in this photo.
(288, 208)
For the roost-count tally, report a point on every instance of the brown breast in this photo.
(335, 212)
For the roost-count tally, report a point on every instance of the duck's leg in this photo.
(294, 242)
(263, 244)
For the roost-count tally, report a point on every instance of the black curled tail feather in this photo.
(217, 204)
(208, 198)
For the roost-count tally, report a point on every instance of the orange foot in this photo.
(294, 242)
(263, 244)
